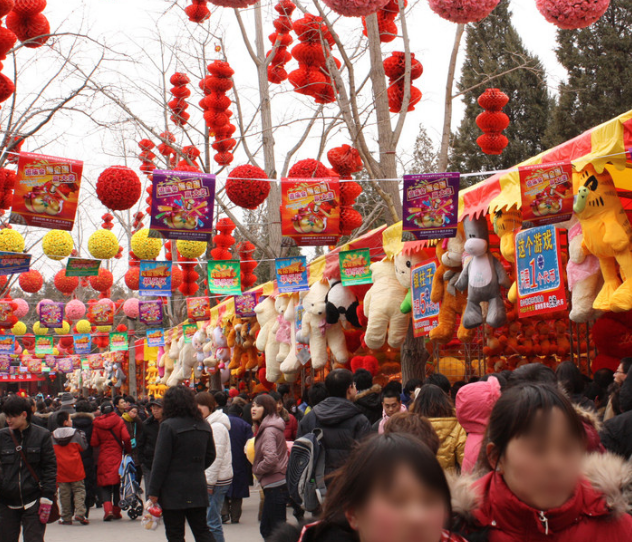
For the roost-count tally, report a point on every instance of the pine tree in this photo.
(497, 58)
(597, 60)
(424, 154)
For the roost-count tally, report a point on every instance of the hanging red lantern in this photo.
(7, 184)
(245, 188)
(28, 23)
(395, 69)
(282, 39)
(248, 265)
(345, 160)
(386, 21)
(492, 121)
(178, 105)
(198, 11)
(223, 240)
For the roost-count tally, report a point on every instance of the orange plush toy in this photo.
(506, 223)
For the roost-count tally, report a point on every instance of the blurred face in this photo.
(257, 412)
(406, 512)
(17, 423)
(542, 470)
(279, 407)
(391, 405)
(352, 391)
(204, 410)
(156, 412)
(133, 413)
(122, 405)
(619, 375)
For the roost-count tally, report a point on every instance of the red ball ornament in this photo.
(308, 168)
(463, 11)
(492, 121)
(493, 99)
(29, 7)
(572, 14)
(345, 160)
(197, 12)
(492, 143)
(103, 281)
(244, 188)
(132, 278)
(31, 281)
(6, 6)
(118, 188)
(66, 285)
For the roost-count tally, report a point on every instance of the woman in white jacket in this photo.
(220, 474)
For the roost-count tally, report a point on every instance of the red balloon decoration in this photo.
(282, 39)
(66, 285)
(7, 184)
(103, 281)
(179, 105)
(31, 281)
(395, 69)
(492, 121)
(248, 265)
(244, 187)
(386, 21)
(197, 12)
(118, 188)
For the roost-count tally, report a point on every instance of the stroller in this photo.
(131, 492)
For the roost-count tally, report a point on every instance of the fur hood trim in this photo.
(82, 415)
(607, 473)
(589, 416)
(376, 388)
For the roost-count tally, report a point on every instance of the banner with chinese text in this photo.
(7, 344)
(150, 312)
(13, 262)
(43, 344)
(355, 267)
(425, 312)
(291, 274)
(118, 341)
(155, 278)
(547, 192)
(188, 330)
(51, 315)
(155, 337)
(198, 308)
(82, 267)
(245, 305)
(101, 314)
(224, 277)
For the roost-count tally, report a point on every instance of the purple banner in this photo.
(182, 204)
(431, 205)
(150, 312)
(245, 304)
(51, 315)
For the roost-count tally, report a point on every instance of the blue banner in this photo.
(155, 337)
(425, 312)
(83, 343)
(7, 344)
(13, 262)
(155, 278)
(291, 274)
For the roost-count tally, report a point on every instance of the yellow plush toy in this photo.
(506, 223)
(607, 235)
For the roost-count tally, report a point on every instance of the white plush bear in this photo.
(318, 332)
(198, 342)
(382, 308)
(291, 364)
(283, 327)
(404, 264)
(187, 360)
(267, 313)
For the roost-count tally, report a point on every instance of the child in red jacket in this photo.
(68, 443)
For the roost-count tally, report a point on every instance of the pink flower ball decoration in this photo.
(22, 308)
(463, 11)
(37, 308)
(356, 8)
(572, 14)
(130, 308)
(75, 309)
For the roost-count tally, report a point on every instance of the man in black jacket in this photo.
(341, 421)
(21, 496)
(369, 398)
(148, 438)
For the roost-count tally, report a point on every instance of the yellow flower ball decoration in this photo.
(103, 245)
(19, 329)
(191, 249)
(84, 326)
(39, 330)
(11, 241)
(64, 330)
(57, 244)
(104, 329)
(145, 247)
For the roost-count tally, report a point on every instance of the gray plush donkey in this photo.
(482, 277)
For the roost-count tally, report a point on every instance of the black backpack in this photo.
(306, 471)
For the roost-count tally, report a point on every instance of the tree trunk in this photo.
(413, 356)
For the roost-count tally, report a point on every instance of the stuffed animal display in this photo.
(405, 261)
(507, 222)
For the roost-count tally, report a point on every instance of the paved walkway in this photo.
(126, 530)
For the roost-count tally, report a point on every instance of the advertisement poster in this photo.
(34, 366)
(101, 314)
(43, 344)
(118, 341)
(245, 305)
(198, 308)
(46, 191)
(5, 363)
(291, 274)
(13, 262)
(547, 192)
(155, 337)
(182, 204)
(64, 365)
(83, 343)
(155, 278)
(51, 315)
(95, 361)
(188, 331)
(224, 277)
(431, 205)
(538, 272)
(7, 344)
(82, 267)
(425, 312)
(150, 312)
(355, 267)
(310, 210)
(7, 319)
(50, 361)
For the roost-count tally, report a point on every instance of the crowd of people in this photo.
(531, 454)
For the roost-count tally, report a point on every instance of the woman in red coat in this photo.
(539, 485)
(110, 435)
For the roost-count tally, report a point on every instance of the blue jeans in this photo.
(214, 512)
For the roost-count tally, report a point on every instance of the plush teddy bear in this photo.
(198, 341)
(482, 277)
(506, 223)
(249, 329)
(382, 307)
(291, 364)
(341, 305)
(405, 261)
(283, 328)
(267, 312)
(317, 332)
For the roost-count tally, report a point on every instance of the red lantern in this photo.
(223, 240)
(31, 281)
(395, 68)
(178, 105)
(248, 265)
(282, 39)
(118, 188)
(386, 21)
(244, 187)
(492, 121)
(7, 183)
(197, 12)
(29, 25)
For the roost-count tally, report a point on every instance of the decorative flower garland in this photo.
(118, 188)
(244, 192)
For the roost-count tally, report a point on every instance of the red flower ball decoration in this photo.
(197, 12)
(308, 168)
(132, 278)
(386, 21)
(118, 188)
(233, 3)
(103, 281)
(492, 121)
(572, 14)
(66, 285)
(282, 39)
(179, 105)
(463, 11)
(244, 188)
(7, 184)
(395, 69)
(31, 281)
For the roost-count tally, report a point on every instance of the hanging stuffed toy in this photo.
(291, 364)
(267, 313)
(341, 305)
(506, 223)
(607, 235)
(482, 277)
(405, 261)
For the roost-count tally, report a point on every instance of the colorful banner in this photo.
(13, 262)
(538, 272)
(96, 361)
(182, 204)
(46, 191)
(431, 204)
(155, 278)
(65, 365)
(291, 274)
(547, 192)
(51, 315)
(34, 366)
(7, 319)
(155, 337)
(5, 363)
(224, 277)
(150, 312)
(50, 361)
(83, 343)
(245, 305)
(425, 312)
(101, 314)
(82, 267)
(198, 308)
(188, 330)
(43, 344)
(118, 341)
(7, 344)
(355, 267)
(310, 210)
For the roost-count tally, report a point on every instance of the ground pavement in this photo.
(126, 530)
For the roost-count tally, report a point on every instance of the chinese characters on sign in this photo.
(51, 315)
(83, 343)
(425, 312)
(155, 337)
(291, 274)
(82, 267)
(198, 308)
(118, 341)
(13, 262)
(188, 330)
(224, 277)
(150, 312)
(355, 267)
(155, 278)
(245, 305)
(547, 192)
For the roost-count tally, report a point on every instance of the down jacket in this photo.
(271, 455)
(221, 471)
(451, 442)
(68, 443)
(487, 510)
(110, 435)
